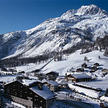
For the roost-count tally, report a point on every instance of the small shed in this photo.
(96, 64)
(3, 69)
(84, 65)
(93, 69)
(80, 70)
(52, 75)
(40, 76)
(12, 70)
(61, 80)
(105, 70)
(52, 85)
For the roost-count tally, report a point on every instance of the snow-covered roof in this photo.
(88, 92)
(105, 98)
(52, 72)
(28, 82)
(62, 81)
(45, 92)
(80, 76)
(17, 105)
(52, 82)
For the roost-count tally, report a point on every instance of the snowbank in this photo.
(88, 92)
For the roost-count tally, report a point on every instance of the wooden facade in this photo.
(106, 93)
(105, 70)
(80, 70)
(23, 95)
(52, 75)
(75, 78)
(52, 85)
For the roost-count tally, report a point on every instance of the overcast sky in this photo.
(24, 14)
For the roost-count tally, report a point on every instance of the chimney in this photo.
(40, 86)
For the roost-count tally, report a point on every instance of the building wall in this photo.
(49, 103)
(39, 102)
(23, 95)
(78, 80)
(24, 102)
(53, 88)
(83, 79)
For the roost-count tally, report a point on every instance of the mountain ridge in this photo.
(71, 28)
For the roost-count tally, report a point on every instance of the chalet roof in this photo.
(61, 80)
(7, 83)
(28, 82)
(80, 76)
(54, 83)
(44, 92)
(52, 72)
(105, 70)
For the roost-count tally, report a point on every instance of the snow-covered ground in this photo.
(88, 92)
(73, 104)
(17, 105)
(61, 33)
(75, 60)
(103, 84)
(29, 67)
(7, 78)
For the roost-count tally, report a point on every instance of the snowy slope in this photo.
(74, 60)
(71, 28)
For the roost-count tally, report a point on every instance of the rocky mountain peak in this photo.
(73, 28)
(91, 10)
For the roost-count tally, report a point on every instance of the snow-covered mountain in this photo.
(72, 28)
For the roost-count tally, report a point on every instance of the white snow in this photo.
(105, 98)
(27, 82)
(56, 33)
(45, 92)
(82, 75)
(75, 60)
(88, 92)
(54, 83)
(17, 105)
(103, 84)
(8, 78)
